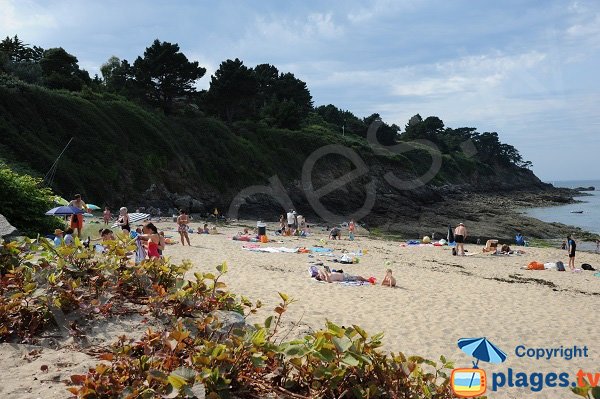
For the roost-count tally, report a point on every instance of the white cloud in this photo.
(28, 15)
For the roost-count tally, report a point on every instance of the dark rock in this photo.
(590, 188)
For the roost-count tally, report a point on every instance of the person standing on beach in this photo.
(351, 229)
(77, 220)
(182, 223)
(460, 235)
(571, 247)
(291, 219)
(123, 220)
(106, 215)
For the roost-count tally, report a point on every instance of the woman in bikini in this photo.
(182, 222)
(153, 240)
(123, 220)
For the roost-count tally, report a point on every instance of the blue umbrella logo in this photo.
(481, 349)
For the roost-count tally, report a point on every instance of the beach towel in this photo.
(140, 252)
(271, 250)
(320, 249)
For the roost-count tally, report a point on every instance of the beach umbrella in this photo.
(135, 217)
(481, 349)
(60, 200)
(64, 210)
(93, 207)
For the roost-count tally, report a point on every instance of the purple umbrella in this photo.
(64, 210)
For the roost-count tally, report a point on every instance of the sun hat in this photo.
(58, 231)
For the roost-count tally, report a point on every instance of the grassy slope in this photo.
(120, 148)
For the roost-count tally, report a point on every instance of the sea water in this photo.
(589, 220)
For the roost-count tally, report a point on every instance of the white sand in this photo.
(440, 299)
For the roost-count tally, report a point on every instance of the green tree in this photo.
(232, 91)
(165, 74)
(61, 71)
(340, 120)
(23, 202)
(118, 76)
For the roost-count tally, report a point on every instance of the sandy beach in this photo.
(439, 299)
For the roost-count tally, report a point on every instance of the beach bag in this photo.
(560, 266)
(587, 266)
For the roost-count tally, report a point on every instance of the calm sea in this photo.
(589, 220)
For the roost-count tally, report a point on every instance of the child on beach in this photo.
(58, 237)
(69, 240)
(106, 215)
(389, 280)
(182, 223)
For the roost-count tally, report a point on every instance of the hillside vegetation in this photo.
(142, 135)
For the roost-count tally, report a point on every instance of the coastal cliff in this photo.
(124, 154)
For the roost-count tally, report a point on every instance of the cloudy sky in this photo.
(522, 68)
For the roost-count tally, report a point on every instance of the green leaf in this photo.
(176, 381)
(283, 296)
(268, 322)
(326, 354)
(335, 329)
(350, 360)
(188, 374)
(596, 392)
(581, 391)
(259, 337)
(342, 344)
(222, 268)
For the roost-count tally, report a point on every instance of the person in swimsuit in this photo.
(123, 220)
(389, 280)
(77, 220)
(460, 235)
(182, 227)
(106, 215)
(571, 247)
(351, 229)
(338, 277)
(153, 240)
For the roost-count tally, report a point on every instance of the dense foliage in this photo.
(194, 351)
(24, 201)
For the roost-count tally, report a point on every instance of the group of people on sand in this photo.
(293, 224)
(336, 231)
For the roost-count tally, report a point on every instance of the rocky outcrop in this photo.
(6, 229)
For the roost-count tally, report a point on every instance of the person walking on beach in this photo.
(351, 229)
(460, 235)
(106, 216)
(182, 223)
(571, 247)
(123, 220)
(77, 220)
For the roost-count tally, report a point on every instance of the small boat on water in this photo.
(576, 211)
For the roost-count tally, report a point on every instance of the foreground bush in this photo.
(24, 202)
(41, 285)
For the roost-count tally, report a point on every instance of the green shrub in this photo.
(24, 202)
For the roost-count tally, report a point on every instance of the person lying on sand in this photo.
(389, 280)
(338, 277)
